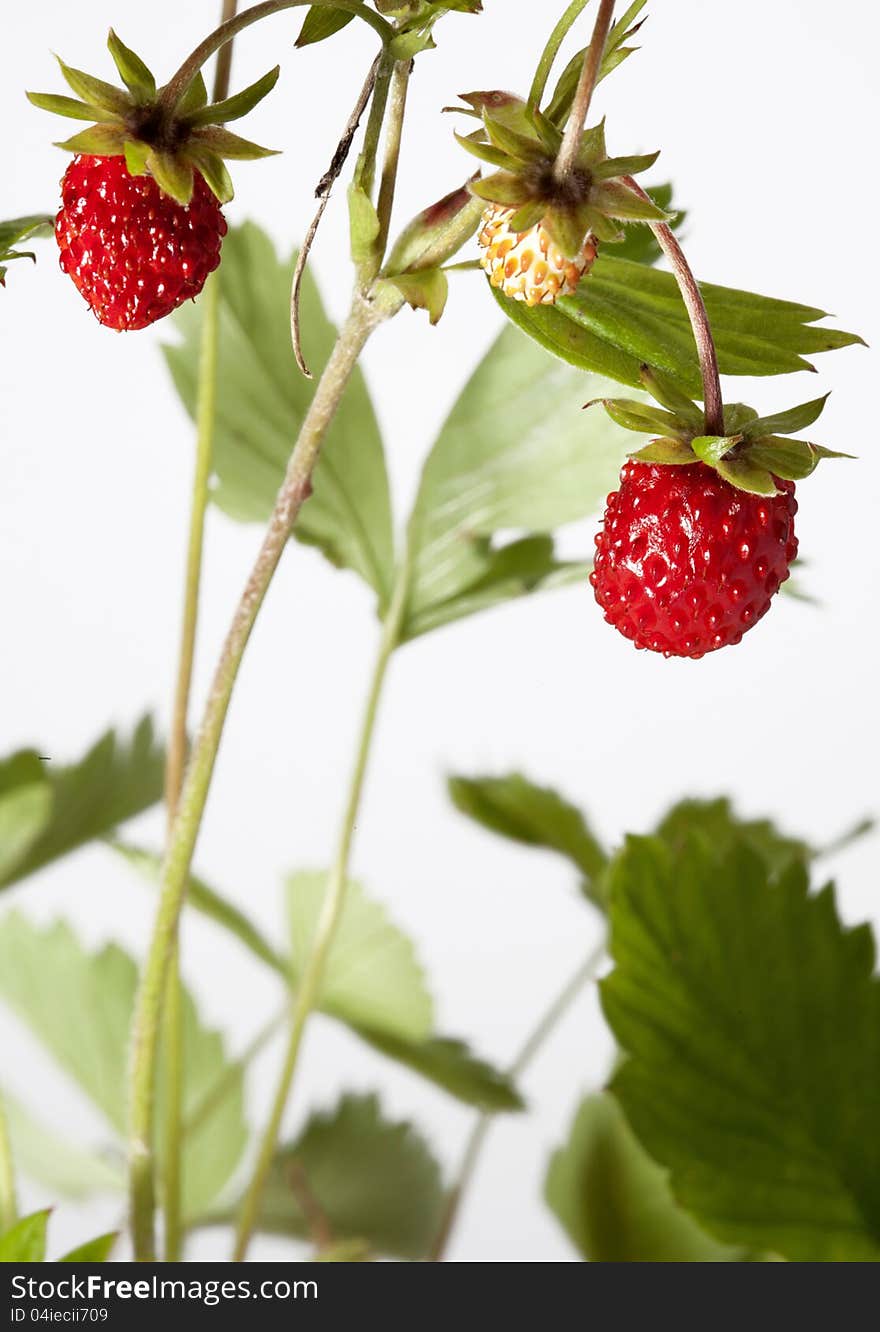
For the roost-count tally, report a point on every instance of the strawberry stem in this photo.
(571, 141)
(8, 1209)
(713, 402)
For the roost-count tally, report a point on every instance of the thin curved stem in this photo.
(179, 82)
(713, 402)
(148, 1007)
(580, 109)
(533, 1043)
(8, 1205)
(394, 137)
(328, 921)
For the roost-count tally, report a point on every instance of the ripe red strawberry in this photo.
(132, 251)
(686, 562)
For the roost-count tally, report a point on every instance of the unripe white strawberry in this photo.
(528, 265)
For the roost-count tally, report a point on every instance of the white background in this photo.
(766, 115)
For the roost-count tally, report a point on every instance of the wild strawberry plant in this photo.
(738, 1125)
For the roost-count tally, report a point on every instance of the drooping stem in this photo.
(394, 136)
(571, 140)
(331, 913)
(8, 1206)
(543, 1029)
(713, 403)
(179, 82)
(294, 491)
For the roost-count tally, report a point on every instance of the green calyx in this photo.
(166, 142)
(522, 143)
(751, 454)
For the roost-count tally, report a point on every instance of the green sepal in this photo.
(137, 78)
(232, 108)
(425, 290)
(710, 449)
(505, 109)
(104, 140)
(746, 475)
(502, 187)
(623, 166)
(436, 234)
(60, 105)
(786, 423)
(136, 156)
(737, 417)
(602, 227)
(526, 217)
(550, 136)
(363, 222)
(173, 175)
(792, 459)
(593, 148)
(615, 199)
(666, 451)
(321, 23)
(486, 152)
(225, 144)
(565, 230)
(195, 97)
(95, 91)
(214, 172)
(662, 390)
(406, 45)
(521, 147)
(638, 416)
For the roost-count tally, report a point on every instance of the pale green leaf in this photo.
(64, 1167)
(751, 1021)
(322, 22)
(25, 1242)
(97, 1250)
(262, 400)
(372, 977)
(614, 1202)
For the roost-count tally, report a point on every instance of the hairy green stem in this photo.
(388, 183)
(294, 491)
(332, 906)
(8, 1206)
(534, 1042)
(580, 109)
(365, 170)
(551, 50)
(179, 82)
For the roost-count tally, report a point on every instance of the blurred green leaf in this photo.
(517, 453)
(534, 815)
(321, 22)
(25, 1242)
(626, 314)
(716, 823)
(751, 1022)
(615, 1203)
(262, 399)
(79, 1005)
(450, 1064)
(19, 229)
(115, 781)
(365, 1177)
(93, 1251)
(57, 1163)
(25, 805)
(372, 977)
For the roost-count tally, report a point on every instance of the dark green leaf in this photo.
(751, 1021)
(450, 1064)
(114, 781)
(321, 22)
(25, 806)
(262, 400)
(93, 1251)
(720, 828)
(534, 815)
(371, 1179)
(516, 452)
(615, 1202)
(25, 1242)
(134, 73)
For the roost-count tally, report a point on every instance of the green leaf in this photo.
(18, 229)
(533, 815)
(625, 315)
(450, 1064)
(134, 73)
(436, 234)
(105, 140)
(83, 1018)
(57, 1163)
(614, 1202)
(787, 423)
(262, 401)
(638, 416)
(93, 1251)
(793, 459)
(60, 105)
(114, 782)
(322, 22)
(720, 828)
(667, 452)
(364, 225)
(751, 1018)
(233, 108)
(426, 290)
(25, 805)
(515, 452)
(371, 977)
(372, 1180)
(746, 475)
(712, 448)
(25, 1242)
(615, 199)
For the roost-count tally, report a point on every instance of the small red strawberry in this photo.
(140, 224)
(700, 535)
(686, 562)
(133, 252)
